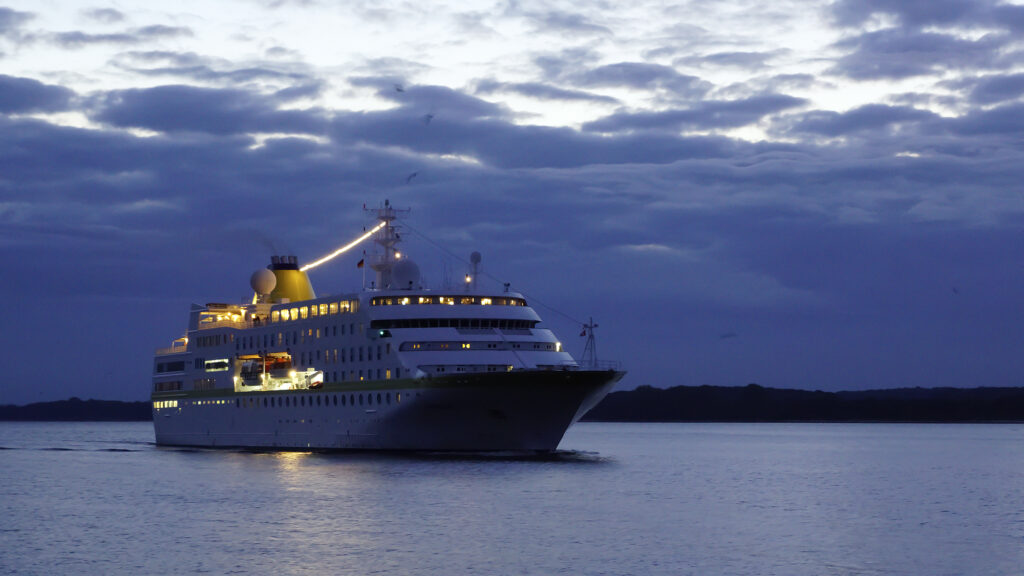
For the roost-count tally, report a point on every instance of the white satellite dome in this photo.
(405, 274)
(263, 281)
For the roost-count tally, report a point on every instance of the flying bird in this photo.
(410, 177)
(399, 88)
(428, 117)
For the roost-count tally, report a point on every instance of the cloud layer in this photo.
(678, 180)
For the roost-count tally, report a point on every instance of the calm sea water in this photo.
(709, 499)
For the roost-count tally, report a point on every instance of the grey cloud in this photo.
(646, 76)
(192, 109)
(705, 115)
(19, 95)
(751, 60)
(105, 15)
(557, 21)
(872, 118)
(501, 144)
(541, 91)
(910, 12)
(1006, 120)
(897, 53)
(992, 89)
(920, 14)
(77, 39)
(440, 100)
(11, 21)
(562, 64)
(196, 67)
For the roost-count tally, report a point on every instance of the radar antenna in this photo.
(589, 358)
(386, 236)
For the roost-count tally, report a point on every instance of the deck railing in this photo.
(172, 350)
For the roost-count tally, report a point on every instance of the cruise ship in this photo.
(396, 366)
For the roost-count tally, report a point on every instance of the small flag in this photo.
(360, 264)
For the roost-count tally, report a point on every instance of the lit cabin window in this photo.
(485, 301)
(334, 307)
(275, 316)
(404, 301)
(345, 308)
(303, 312)
(323, 309)
(284, 315)
(313, 310)
(294, 313)
(466, 300)
(426, 300)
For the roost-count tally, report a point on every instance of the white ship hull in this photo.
(488, 412)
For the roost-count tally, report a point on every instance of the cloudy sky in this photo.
(803, 194)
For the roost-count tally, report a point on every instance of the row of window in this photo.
(213, 340)
(295, 336)
(447, 300)
(178, 366)
(465, 368)
(167, 386)
(368, 399)
(314, 310)
(464, 323)
(484, 345)
(318, 400)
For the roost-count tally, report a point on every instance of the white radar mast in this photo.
(387, 239)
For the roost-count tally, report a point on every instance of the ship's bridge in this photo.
(396, 309)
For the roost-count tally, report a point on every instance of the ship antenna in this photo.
(589, 357)
(386, 237)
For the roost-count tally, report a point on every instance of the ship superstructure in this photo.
(396, 366)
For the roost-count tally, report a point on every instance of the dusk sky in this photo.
(802, 194)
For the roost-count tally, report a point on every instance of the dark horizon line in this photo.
(704, 403)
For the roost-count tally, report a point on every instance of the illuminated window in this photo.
(285, 316)
(294, 313)
(303, 312)
(485, 301)
(387, 374)
(313, 310)
(275, 316)
(398, 398)
(467, 300)
(404, 301)
(426, 300)
(323, 309)
(344, 307)
(334, 307)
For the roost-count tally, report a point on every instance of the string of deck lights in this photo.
(343, 249)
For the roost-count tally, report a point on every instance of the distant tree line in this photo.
(754, 403)
(75, 409)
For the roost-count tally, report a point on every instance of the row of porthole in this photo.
(321, 400)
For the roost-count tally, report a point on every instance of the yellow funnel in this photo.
(292, 283)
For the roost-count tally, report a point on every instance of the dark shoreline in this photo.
(751, 403)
